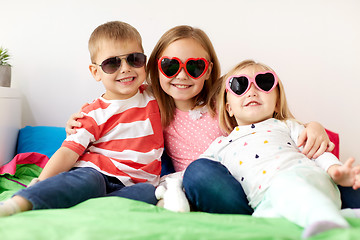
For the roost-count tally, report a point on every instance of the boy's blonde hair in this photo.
(205, 97)
(228, 123)
(112, 31)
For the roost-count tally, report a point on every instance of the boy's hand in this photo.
(346, 175)
(315, 140)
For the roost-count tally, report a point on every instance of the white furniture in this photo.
(10, 122)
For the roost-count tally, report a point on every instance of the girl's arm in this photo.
(62, 160)
(72, 122)
(346, 175)
(315, 140)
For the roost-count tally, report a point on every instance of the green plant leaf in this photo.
(4, 56)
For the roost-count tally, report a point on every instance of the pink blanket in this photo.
(24, 158)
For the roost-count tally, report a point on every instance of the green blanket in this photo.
(9, 184)
(118, 218)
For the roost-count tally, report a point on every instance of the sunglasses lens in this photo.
(239, 85)
(195, 67)
(136, 60)
(169, 66)
(111, 65)
(265, 81)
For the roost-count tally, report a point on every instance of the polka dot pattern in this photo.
(254, 154)
(186, 138)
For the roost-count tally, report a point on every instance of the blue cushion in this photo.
(41, 139)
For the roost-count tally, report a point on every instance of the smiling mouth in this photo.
(253, 103)
(126, 80)
(181, 86)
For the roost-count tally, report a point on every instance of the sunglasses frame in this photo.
(251, 80)
(183, 66)
(121, 57)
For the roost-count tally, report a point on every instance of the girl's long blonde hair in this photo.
(228, 123)
(206, 96)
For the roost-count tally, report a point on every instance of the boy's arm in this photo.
(62, 161)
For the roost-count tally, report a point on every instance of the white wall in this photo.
(313, 45)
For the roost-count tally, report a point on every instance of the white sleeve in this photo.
(325, 160)
(295, 130)
(212, 150)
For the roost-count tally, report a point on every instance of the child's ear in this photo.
(228, 108)
(95, 72)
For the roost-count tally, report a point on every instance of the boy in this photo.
(117, 150)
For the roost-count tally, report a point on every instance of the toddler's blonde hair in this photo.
(228, 123)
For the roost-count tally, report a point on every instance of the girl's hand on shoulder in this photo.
(72, 122)
(315, 140)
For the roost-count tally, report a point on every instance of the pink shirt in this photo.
(189, 135)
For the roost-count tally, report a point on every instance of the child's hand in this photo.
(357, 181)
(33, 182)
(346, 175)
(72, 122)
(315, 140)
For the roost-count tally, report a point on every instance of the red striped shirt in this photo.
(121, 138)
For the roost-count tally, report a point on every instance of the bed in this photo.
(118, 218)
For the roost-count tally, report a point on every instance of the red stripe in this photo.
(76, 147)
(95, 105)
(128, 116)
(153, 168)
(131, 115)
(141, 144)
(105, 164)
(90, 125)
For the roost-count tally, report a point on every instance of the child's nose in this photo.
(124, 66)
(182, 74)
(252, 90)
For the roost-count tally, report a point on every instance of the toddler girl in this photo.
(261, 153)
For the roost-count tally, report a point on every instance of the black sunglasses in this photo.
(240, 84)
(111, 65)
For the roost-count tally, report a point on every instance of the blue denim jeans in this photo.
(80, 184)
(210, 187)
(350, 198)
